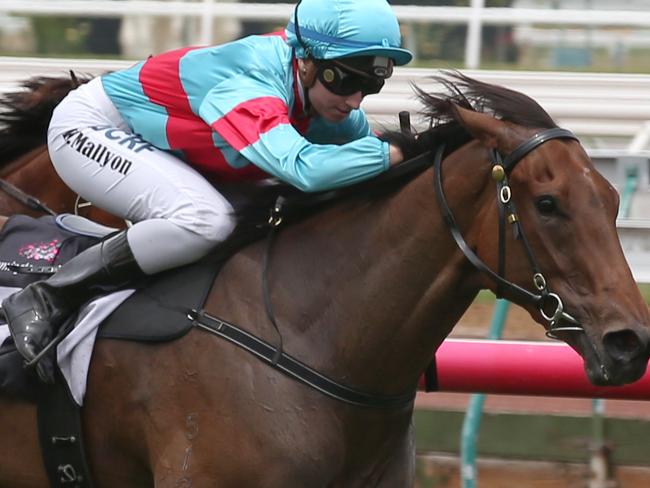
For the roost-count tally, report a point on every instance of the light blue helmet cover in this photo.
(342, 28)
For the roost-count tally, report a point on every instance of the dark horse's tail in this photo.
(25, 114)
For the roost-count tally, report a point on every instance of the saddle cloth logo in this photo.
(43, 251)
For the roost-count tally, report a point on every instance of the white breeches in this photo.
(178, 216)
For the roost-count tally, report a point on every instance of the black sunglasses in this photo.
(343, 82)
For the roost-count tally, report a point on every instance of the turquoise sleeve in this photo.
(250, 113)
(285, 154)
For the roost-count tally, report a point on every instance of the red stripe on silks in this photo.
(161, 82)
(281, 33)
(245, 123)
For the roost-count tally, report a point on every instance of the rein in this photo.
(274, 356)
(544, 299)
(24, 198)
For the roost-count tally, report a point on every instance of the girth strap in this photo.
(294, 368)
(59, 426)
(27, 268)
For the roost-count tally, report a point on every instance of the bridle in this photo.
(543, 299)
(274, 356)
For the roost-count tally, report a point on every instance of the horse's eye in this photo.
(546, 205)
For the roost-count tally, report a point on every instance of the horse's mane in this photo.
(25, 114)
(502, 103)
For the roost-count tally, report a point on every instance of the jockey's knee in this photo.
(164, 243)
(213, 222)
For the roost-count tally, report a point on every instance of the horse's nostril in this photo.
(624, 345)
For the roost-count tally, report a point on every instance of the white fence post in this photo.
(473, 41)
(206, 23)
(641, 140)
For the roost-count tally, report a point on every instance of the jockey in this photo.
(137, 143)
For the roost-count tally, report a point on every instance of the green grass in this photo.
(645, 291)
(533, 437)
(486, 296)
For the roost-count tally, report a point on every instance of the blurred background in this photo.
(584, 35)
(586, 61)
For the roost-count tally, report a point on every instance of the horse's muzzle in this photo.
(625, 357)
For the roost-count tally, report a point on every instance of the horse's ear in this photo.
(481, 126)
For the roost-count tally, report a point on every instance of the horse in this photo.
(28, 182)
(364, 289)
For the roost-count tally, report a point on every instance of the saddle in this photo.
(31, 249)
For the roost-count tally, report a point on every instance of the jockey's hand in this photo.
(407, 145)
(396, 155)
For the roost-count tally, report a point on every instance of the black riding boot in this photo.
(36, 313)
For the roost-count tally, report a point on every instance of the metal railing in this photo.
(606, 110)
(474, 16)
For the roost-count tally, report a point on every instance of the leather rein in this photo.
(24, 198)
(274, 356)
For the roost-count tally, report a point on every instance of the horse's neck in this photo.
(366, 291)
(34, 174)
(10, 170)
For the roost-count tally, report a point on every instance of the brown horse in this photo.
(24, 160)
(364, 291)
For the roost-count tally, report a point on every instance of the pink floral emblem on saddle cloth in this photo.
(45, 251)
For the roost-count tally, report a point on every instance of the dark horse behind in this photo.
(24, 161)
(364, 291)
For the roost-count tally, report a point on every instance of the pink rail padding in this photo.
(522, 368)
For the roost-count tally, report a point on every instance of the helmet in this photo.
(329, 29)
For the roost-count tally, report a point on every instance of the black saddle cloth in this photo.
(28, 244)
(156, 312)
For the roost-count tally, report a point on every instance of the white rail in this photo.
(635, 240)
(474, 16)
(281, 11)
(594, 105)
(597, 106)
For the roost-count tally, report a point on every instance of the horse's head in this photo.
(567, 266)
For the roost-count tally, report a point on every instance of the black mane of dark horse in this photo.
(25, 114)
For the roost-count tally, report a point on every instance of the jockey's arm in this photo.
(259, 128)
